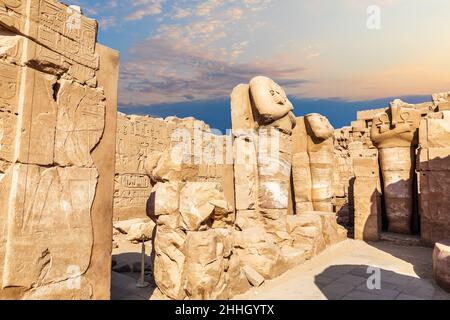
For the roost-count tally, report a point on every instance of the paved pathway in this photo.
(342, 273)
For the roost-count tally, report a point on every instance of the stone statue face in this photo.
(320, 126)
(277, 93)
(269, 99)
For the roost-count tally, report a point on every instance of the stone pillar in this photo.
(394, 133)
(321, 156)
(397, 168)
(57, 129)
(301, 169)
(313, 164)
(367, 199)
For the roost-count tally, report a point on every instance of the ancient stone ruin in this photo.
(58, 110)
(221, 212)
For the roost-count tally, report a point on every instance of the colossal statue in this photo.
(394, 133)
(313, 163)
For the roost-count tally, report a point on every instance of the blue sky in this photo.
(188, 52)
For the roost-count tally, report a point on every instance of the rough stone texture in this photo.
(57, 132)
(313, 164)
(441, 264)
(395, 134)
(434, 178)
(193, 206)
(142, 231)
(140, 142)
(253, 277)
(367, 199)
(223, 210)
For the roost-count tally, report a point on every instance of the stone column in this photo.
(367, 199)
(301, 169)
(397, 168)
(394, 133)
(321, 156)
(313, 164)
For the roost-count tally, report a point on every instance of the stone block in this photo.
(441, 264)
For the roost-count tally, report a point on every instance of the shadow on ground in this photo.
(363, 282)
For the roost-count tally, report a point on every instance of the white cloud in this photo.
(146, 8)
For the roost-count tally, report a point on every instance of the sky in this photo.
(190, 54)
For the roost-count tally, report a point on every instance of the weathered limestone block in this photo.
(237, 280)
(200, 202)
(245, 173)
(42, 192)
(313, 164)
(241, 110)
(207, 258)
(169, 261)
(306, 231)
(80, 123)
(253, 276)
(302, 183)
(441, 101)
(332, 232)
(441, 264)
(367, 199)
(141, 231)
(395, 135)
(258, 252)
(315, 231)
(141, 142)
(55, 26)
(39, 115)
(301, 169)
(434, 178)
(321, 155)
(124, 226)
(398, 173)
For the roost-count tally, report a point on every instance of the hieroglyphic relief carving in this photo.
(80, 123)
(50, 23)
(140, 140)
(9, 87)
(54, 131)
(69, 192)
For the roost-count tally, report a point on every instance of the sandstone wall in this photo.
(434, 177)
(140, 142)
(58, 108)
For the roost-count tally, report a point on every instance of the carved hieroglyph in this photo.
(57, 132)
(140, 142)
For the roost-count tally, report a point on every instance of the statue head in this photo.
(320, 126)
(269, 99)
